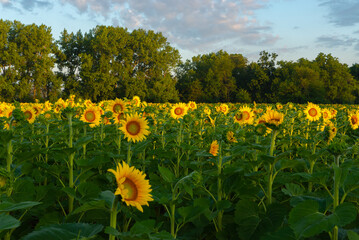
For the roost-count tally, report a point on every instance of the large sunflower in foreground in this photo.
(179, 110)
(132, 186)
(135, 128)
(312, 111)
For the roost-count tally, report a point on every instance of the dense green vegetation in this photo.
(109, 62)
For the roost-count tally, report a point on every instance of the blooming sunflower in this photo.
(312, 112)
(230, 137)
(179, 110)
(214, 148)
(117, 106)
(192, 105)
(132, 186)
(137, 101)
(273, 118)
(118, 117)
(29, 114)
(244, 115)
(354, 120)
(135, 128)
(91, 115)
(326, 114)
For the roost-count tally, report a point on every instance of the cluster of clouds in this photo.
(197, 25)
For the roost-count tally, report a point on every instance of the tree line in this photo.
(109, 62)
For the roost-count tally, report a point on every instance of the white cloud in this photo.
(190, 24)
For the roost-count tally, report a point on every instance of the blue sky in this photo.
(291, 28)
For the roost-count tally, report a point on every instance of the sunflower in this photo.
(135, 128)
(132, 186)
(214, 148)
(230, 137)
(137, 101)
(29, 114)
(244, 115)
(192, 105)
(354, 120)
(273, 118)
(326, 114)
(117, 106)
(179, 110)
(91, 115)
(118, 117)
(312, 112)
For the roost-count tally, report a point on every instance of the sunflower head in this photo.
(312, 112)
(117, 106)
(354, 120)
(273, 118)
(244, 115)
(132, 186)
(192, 105)
(91, 115)
(230, 137)
(137, 101)
(29, 114)
(135, 128)
(179, 110)
(214, 148)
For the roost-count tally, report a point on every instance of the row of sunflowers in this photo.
(127, 169)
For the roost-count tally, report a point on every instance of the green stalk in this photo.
(46, 145)
(219, 189)
(113, 217)
(71, 162)
(129, 153)
(173, 212)
(271, 168)
(336, 194)
(84, 145)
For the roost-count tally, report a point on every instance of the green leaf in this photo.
(69, 231)
(346, 213)
(143, 227)
(292, 189)
(352, 235)
(100, 204)
(9, 206)
(247, 219)
(285, 233)
(108, 196)
(112, 231)
(8, 222)
(166, 174)
(307, 221)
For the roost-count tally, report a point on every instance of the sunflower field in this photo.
(127, 169)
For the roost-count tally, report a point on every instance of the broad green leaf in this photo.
(292, 189)
(146, 226)
(285, 233)
(8, 222)
(112, 231)
(247, 218)
(69, 231)
(166, 174)
(306, 220)
(9, 206)
(352, 235)
(100, 204)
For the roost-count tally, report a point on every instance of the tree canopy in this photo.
(112, 62)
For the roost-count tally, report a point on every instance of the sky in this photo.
(293, 29)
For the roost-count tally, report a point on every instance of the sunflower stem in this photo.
(219, 188)
(113, 217)
(271, 168)
(84, 145)
(71, 162)
(129, 153)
